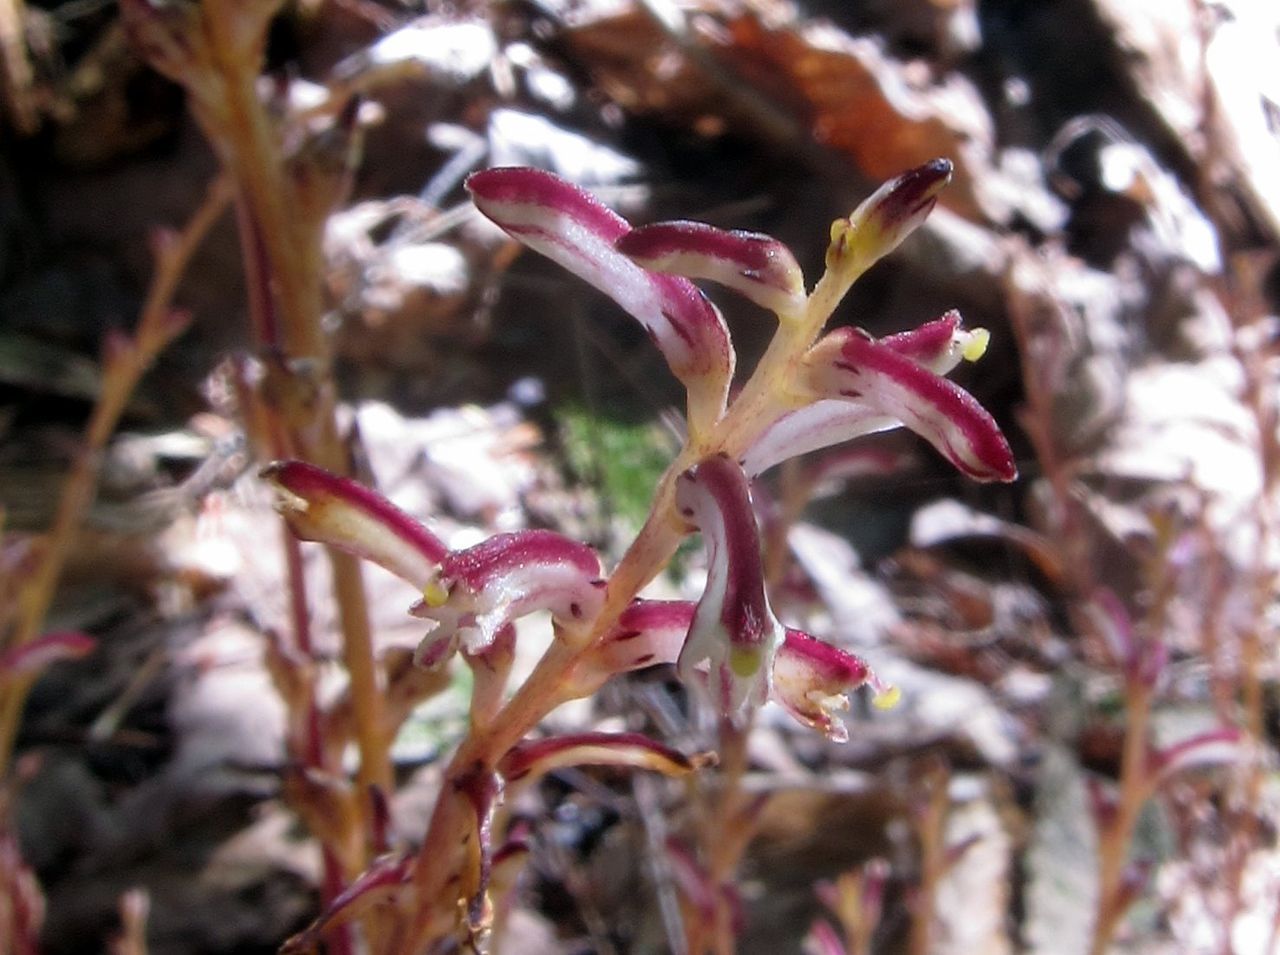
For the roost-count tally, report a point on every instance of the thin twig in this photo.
(125, 366)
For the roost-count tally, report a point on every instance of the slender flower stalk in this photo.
(856, 899)
(1141, 659)
(285, 180)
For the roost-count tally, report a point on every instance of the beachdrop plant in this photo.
(811, 389)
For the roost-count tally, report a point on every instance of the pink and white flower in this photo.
(734, 633)
(470, 594)
(577, 231)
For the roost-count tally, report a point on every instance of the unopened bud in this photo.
(888, 216)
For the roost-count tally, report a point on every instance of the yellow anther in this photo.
(974, 345)
(435, 594)
(744, 661)
(887, 698)
(841, 230)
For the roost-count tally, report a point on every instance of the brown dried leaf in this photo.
(881, 113)
(783, 79)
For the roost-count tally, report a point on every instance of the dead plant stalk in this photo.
(126, 360)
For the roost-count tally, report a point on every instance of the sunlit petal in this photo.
(574, 229)
(752, 264)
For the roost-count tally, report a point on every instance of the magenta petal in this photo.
(934, 344)
(733, 631)
(1217, 747)
(30, 659)
(502, 555)
(755, 265)
(649, 632)
(632, 750)
(823, 940)
(848, 364)
(577, 231)
(479, 590)
(320, 506)
(385, 882)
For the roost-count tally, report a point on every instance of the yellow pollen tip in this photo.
(435, 594)
(744, 662)
(887, 698)
(975, 344)
(841, 232)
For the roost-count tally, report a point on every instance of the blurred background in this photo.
(1114, 221)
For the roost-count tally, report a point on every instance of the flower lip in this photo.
(479, 590)
(811, 680)
(821, 424)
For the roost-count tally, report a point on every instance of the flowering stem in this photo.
(156, 327)
(283, 253)
(1116, 834)
(357, 657)
(453, 822)
(253, 155)
(725, 836)
(931, 823)
(731, 636)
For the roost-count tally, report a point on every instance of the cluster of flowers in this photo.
(809, 391)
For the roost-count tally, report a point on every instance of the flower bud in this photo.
(884, 219)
